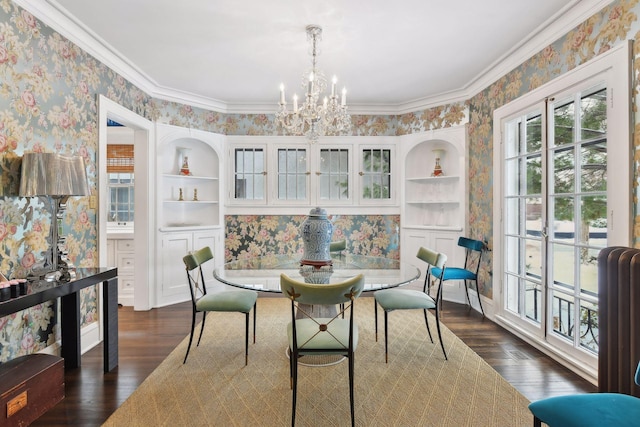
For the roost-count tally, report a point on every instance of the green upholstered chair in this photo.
(338, 246)
(321, 336)
(409, 299)
(468, 273)
(588, 410)
(238, 300)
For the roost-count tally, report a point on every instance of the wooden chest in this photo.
(29, 386)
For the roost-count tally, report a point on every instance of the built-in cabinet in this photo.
(338, 173)
(434, 211)
(190, 212)
(121, 254)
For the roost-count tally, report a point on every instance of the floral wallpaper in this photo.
(48, 92)
(250, 236)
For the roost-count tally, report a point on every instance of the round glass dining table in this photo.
(263, 273)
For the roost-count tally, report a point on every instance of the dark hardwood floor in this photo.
(147, 337)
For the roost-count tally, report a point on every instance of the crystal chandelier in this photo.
(311, 118)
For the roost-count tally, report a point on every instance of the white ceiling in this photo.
(232, 55)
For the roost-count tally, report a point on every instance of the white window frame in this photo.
(614, 67)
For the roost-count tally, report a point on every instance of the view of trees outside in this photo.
(577, 211)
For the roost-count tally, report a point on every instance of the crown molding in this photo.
(54, 15)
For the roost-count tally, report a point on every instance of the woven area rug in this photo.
(416, 388)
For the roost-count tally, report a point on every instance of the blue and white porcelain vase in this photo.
(316, 235)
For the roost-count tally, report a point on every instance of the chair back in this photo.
(324, 293)
(338, 246)
(433, 259)
(193, 264)
(317, 333)
(471, 246)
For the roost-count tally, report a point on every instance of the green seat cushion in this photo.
(585, 410)
(403, 299)
(334, 340)
(236, 300)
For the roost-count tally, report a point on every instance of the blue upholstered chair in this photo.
(468, 273)
(238, 300)
(309, 335)
(408, 299)
(588, 410)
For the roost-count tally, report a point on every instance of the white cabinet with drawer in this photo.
(120, 253)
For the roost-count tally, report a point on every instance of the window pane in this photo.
(593, 173)
(589, 271)
(121, 197)
(512, 293)
(562, 312)
(593, 115)
(589, 336)
(564, 123)
(512, 216)
(533, 258)
(512, 254)
(563, 171)
(534, 174)
(563, 217)
(533, 301)
(563, 265)
(534, 133)
(512, 178)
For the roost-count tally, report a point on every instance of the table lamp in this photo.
(56, 177)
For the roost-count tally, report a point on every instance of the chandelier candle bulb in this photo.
(333, 86)
(344, 96)
(295, 103)
(282, 100)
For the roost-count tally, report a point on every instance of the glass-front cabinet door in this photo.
(376, 175)
(333, 176)
(249, 175)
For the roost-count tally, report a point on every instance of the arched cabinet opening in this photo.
(190, 210)
(434, 209)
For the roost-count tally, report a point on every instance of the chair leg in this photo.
(193, 326)
(254, 321)
(537, 422)
(427, 323)
(386, 339)
(294, 358)
(479, 299)
(290, 369)
(204, 317)
(466, 291)
(375, 311)
(246, 338)
(440, 335)
(351, 393)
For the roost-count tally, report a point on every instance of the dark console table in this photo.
(42, 291)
